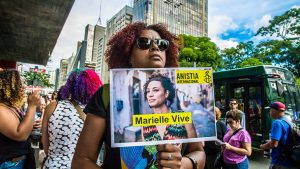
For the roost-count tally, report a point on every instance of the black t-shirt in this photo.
(96, 106)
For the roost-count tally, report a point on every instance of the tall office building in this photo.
(119, 21)
(181, 16)
(98, 48)
(89, 38)
(116, 23)
(63, 71)
(56, 84)
(52, 76)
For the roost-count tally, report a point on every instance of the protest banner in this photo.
(159, 106)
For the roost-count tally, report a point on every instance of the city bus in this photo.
(255, 88)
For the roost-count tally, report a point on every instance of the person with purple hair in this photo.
(63, 120)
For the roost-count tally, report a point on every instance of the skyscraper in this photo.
(63, 72)
(99, 45)
(116, 23)
(89, 38)
(119, 21)
(181, 16)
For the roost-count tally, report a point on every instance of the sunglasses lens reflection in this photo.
(162, 44)
(145, 43)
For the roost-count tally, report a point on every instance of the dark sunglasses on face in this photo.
(145, 43)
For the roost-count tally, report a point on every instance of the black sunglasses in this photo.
(145, 43)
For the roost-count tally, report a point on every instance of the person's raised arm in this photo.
(45, 136)
(14, 129)
(88, 146)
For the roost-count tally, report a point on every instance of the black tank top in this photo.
(10, 148)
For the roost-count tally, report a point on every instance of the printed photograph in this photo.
(157, 106)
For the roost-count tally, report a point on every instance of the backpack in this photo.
(294, 137)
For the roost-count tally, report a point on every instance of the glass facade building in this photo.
(113, 25)
(119, 21)
(181, 16)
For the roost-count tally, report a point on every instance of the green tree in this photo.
(37, 79)
(199, 50)
(284, 51)
(251, 62)
(230, 58)
(285, 26)
(235, 56)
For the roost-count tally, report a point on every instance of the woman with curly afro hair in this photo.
(15, 125)
(138, 45)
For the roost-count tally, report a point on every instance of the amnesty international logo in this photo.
(193, 76)
(207, 76)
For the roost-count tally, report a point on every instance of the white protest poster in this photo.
(159, 106)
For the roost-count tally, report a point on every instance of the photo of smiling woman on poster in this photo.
(159, 92)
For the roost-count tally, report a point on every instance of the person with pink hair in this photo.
(63, 119)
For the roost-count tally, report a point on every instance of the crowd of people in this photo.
(28, 120)
(75, 122)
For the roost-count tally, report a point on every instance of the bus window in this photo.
(220, 98)
(291, 91)
(254, 110)
(274, 91)
(239, 93)
(296, 96)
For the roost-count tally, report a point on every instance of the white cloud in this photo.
(231, 15)
(220, 25)
(222, 44)
(296, 6)
(256, 24)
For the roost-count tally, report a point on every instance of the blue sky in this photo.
(233, 21)
(229, 21)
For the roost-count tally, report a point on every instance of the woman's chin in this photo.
(157, 65)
